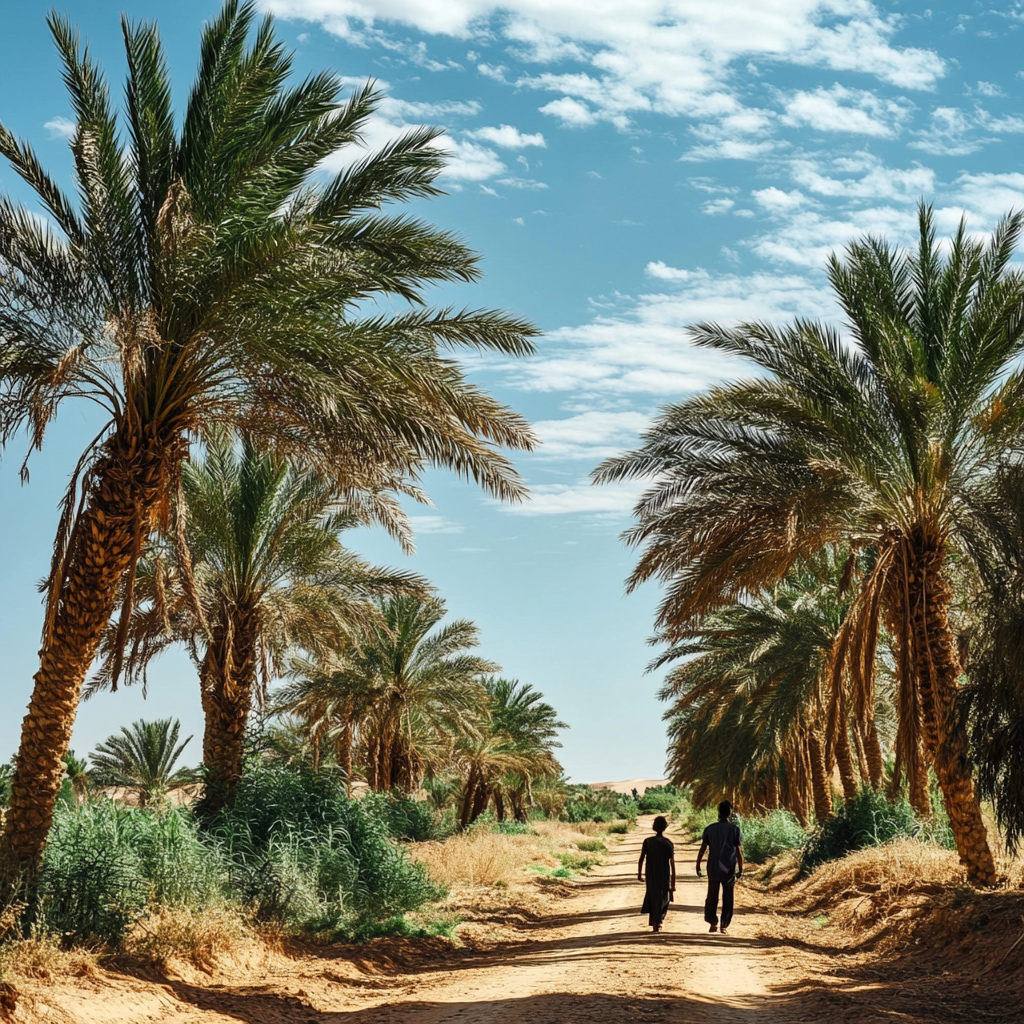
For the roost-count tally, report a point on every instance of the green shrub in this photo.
(867, 820)
(619, 828)
(304, 853)
(513, 828)
(586, 804)
(698, 819)
(591, 845)
(104, 864)
(575, 862)
(408, 820)
(662, 800)
(768, 836)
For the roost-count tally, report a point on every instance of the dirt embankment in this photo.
(853, 945)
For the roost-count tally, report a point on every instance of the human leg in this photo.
(728, 894)
(711, 903)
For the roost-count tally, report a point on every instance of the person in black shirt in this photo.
(725, 865)
(660, 855)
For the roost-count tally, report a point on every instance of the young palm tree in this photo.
(141, 759)
(203, 276)
(528, 727)
(267, 575)
(882, 444)
(76, 771)
(422, 690)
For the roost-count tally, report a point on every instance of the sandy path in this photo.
(593, 958)
(597, 960)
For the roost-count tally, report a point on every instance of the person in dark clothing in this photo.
(724, 842)
(660, 855)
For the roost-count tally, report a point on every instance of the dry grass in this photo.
(43, 959)
(479, 859)
(199, 939)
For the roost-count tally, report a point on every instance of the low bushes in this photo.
(598, 805)
(771, 835)
(662, 800)
(869, 820)
(294, 850)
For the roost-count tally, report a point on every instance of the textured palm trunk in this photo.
(227, 678)
(119, 507)
(873, 754)
(772, 789)
(929, 596)
(844, 761)
(499, 806)
(796, 796)
(819, 779)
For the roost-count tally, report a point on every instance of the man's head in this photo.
(660, 824)
(724, 810)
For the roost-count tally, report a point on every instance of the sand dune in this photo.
(629, 785)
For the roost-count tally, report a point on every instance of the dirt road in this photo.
(590, 958)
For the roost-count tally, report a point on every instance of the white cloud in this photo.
(717, 206)
(948, 134)
(774, 200)
(522, 183)
(986, 197)
(60, 128)
(639, 345)
(616, 499)
(434, 524)
(676, 57)
(988, 89)
(570, 112)
(808, 237)
(507, 137)
(862, 176)
(847, 110)
(590, 435)
(468, 161)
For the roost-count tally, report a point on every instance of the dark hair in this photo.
(660, 824)
(724, 810)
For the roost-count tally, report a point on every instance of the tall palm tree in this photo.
(881, 442)
(142, 758)
(757, 712)
(203, 276)
(267, 575)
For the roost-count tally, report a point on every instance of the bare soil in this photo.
(573, 952)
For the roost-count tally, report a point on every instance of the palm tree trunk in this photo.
(937, 666)
(844, 759)
(819, 779)
(772, 788)
(227, 677)
(104, 541)
(873, 754)
(344, 753)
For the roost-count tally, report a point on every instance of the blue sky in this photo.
(625, 169)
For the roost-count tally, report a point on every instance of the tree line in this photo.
(207, 288)
(839, 534)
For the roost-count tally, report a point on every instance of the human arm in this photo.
(700, 855)
(739, 860)
(672, 867)
(640, 865)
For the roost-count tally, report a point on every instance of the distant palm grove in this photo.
(839, 531)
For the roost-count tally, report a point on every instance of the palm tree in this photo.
(267, 575)
(527, 726)
(400, 696)
(76, 771)
(757, 712)
(141, 759)
(883, 443)
(204, 277)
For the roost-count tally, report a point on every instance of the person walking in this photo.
(724, 841)
(660, 855)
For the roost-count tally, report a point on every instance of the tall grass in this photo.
(769, 836)
(293, 850)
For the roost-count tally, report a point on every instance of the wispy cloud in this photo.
(589, 435)
(507, 137)
(434, 524)
(60, 128)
